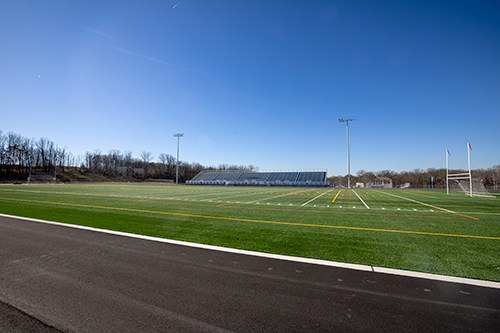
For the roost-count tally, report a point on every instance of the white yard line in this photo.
(432, 206)
(322, 194)
(364, 203)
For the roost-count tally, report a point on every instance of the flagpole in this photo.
(470, 173)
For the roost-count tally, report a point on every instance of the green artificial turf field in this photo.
(425, 231)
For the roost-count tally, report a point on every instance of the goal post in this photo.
(464, 182)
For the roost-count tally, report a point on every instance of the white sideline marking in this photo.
(435, 277)
(361, 199)
(322, 194)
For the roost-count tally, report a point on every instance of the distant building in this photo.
(381, 182)
(128, 171)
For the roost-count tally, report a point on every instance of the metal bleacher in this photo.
(284, 176)
(206, 176)
(310, 176)
(228, 177)
(288, 179)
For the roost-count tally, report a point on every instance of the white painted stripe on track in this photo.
(428, 276)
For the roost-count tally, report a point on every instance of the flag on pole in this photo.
(469, 146)
(448, 152)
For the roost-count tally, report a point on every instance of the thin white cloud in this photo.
(99, 33)
(177, 4)
(160, 61)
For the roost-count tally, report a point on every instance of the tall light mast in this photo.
(178, 136)
(347, 120)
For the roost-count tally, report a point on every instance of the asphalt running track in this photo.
(55, 278)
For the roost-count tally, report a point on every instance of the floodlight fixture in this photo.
(178, 136)
(342, 120)
(347, 120)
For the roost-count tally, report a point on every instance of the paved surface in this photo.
(55, 278)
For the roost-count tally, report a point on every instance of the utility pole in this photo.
(346, 120)
(178, 136)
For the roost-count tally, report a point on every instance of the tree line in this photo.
(165, 168)
(20, 155)
(429, 178)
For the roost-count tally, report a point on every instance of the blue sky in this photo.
(258, 82)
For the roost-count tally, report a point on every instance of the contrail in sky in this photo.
(177, 4)
(99, 33)
(160, 61)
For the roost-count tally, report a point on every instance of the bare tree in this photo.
(163, 160)
(495, 176)
(146, 156)
(127, 159)
(3, 150)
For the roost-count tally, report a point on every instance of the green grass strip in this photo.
(255, 221)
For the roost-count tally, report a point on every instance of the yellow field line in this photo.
(316, 198)
(336, 196)
(435, 207)
(255, 221)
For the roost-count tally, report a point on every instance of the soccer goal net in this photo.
(41, 179)
(380, 182)
(464, 182)
(463, 186)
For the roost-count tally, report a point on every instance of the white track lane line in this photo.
(315, 198)
(364, 203)
(435, 277)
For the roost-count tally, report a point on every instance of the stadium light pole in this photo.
(347, 120)
(178, 135)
